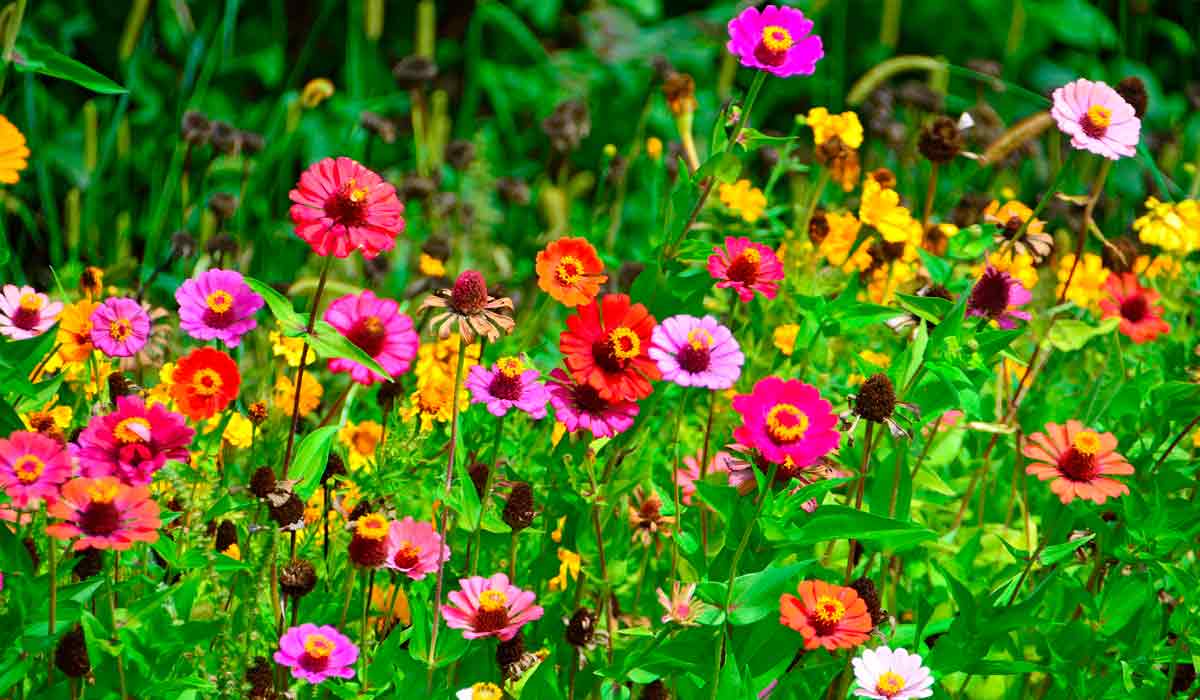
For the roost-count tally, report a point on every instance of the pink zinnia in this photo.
(778, 40)
(341, 206)
(31, 467)
(786, 420)
(378, 328)
(1097, 119)
(996, 296)
(689, 474)
(580, 406)
(316, 653)
(104, 514)
(508, 384)
(217, 305)
(414, 548)
(120, 327)
(694, 351)
(1078, 462)
(133, 442)
(26, 312)
(490, 607)
(746, 267)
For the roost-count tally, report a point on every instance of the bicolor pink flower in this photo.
(786, 420)
(104, 514)
(217, 305)
(1097, 119)
(508, 384)
(378, 328)
(132, 442)
(693, 351)
(316, 653)
(689, 473)
(341, 206)
(996, 295)
(886, 674)
(414, 548)
(679, 606)
(746, 267)
(26, 312)
(580, 406)
(776, 39)
(742, 463)
(120, 327)
(32, 466)
(490, 607)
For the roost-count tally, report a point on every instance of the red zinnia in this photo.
(340, 206)
(1134, 304)
(606, 346)
(204, 383)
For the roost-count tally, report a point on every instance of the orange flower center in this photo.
(1087, 442)
(318, 646)
(407, 556)
(120, 329)
(28, 469)
(625, 343)
(372, 527)
(207, 382)
(829, 610)
(569, 270)
(889, 684)
(511, 367)
(492, 600)
(700, 338)
(786, 423)
(103, 491)
(492, 614)
(219, 301)
(132, 430)
(365, 441)
(486, 691)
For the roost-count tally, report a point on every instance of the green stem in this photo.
(312, 322)
(863, 468)
(487, 494)
(112, 606)
(53, 552)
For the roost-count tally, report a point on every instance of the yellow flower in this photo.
(361, 441)
(431, 266)
(161, 393)
(1019, 266)
(569, 564)
(843, 232)
(1087, 288)
(59, 416)
(233, 551)
(784, 338)
(13, 152)
(1174, 227)
(315, 92)
(876, 358)
(844, 126)
(311, 392)
(742, 199)
(438, 360)
(1196, 438)
(432, 401)
(654, 147)
(558, 530)
(239, 431)
(1160, 266)
(887, 280)
(75, 331)
(556, 436)
(881, 208)
(290, 348)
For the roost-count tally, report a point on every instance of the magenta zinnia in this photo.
(31, 467)
(996, 296)
(580, 406)
(694, 351)
(786, 420)
(508, 384)
(132, 442)
(778, 40)
(746, 267)
(26, 312)
(378, 328)
(316, 653)
(490, 607)
(341, 206)
(120, 327)
(217, 305)
(1097, 119)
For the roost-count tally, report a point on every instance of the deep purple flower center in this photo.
(588, 400)
(990, 297)
(99, 519)
(505, 386)
(29, 312)
(1077, 466)
(696, 355)
(407, 556)
(368, 334)
(469, 295)
(1135, 309)
(348, 206)
(492, 615)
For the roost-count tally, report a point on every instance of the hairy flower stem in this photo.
(369, 579)
(487, 494)
(675, 483)
(312, 322)
(863, 467)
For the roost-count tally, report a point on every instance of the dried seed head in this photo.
(195, 128)
(818, 227)
(478, 471)
(518, 511)
(1133, 91)
(469, 294)
(71, 656)
(568, 125)
(288, 512)
(865, 588)
(91, 281)
(413, 71)
(460, 153)
(89, 562)
(252, 142)
(224, 138)
(182, 244)
(297, 579)
(260, 674)
(262, 482)
(417, 187)
(226, 535)
(119, 385)
(918, 94)
(680, 91)
(257, 412)
(222, 243)
(655, 690)
(223, 205)
(513, 190)
(379, 125)
(388, 393)
(581, 629)
(510, 653)
(334, 466)
(876, 399)
(941, 140)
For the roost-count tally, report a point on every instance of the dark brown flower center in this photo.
(492, 614)
(1135, 309)
(588, 400)
(1077, 466)
(1096, 121)
(100, 518)
(745, 268)
(505, 386)
(694, 359)
(407, 556)
(1010, 227)
(990, 295)
(348, 206)
(368, 334)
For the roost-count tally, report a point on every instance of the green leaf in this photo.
(832, 522)
(932, 309)
(34, 56)
(328, 343)
(722, 499)
(309, 462)
(279, 305)
(756, 596)
(9, 420)
(1057, 552)
(724, 166)
(939, 268)
(1069, 334)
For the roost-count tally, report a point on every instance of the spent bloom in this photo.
(132, 442)
(469, 310)
(997, 296)
(120, 327)
(829, 616)
(25, 312)
(886, 674)
(606, 345)
(694, 351)
(217, 305)
(340, 206)
(104, 514)
(1097, 119)
(490, 607)
(1077, 461)
(31, 467)
(509, 384)
(778, 40)
(679, 606)
(1134, 304)
(205, 381)
(414, 548)
(786, 420)
(377, 327)
(746, 267)
(316, 653)
(580, 406)
(1009, 219)
(570, 271)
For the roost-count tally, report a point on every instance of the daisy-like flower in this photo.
(361, 440)
(785, 420)
(646, 517)
(341, 206)
(694, 351)
(580, 406)
(104, 514)
(679, 606)
(432, 401)
(826, 615)
(414, 548)
(746, 268)
(378, 328)
(31, 467)
(132, 442)
(13, 152)
(1172, 226)
(996, 296)
(1079, 461)
(311, 392)
(886, 674)
(490, 607)
(826, 126)
(689, 473)
(120, 327)
(1009, 219)
(839, 241)
(368, 545)
(75, 331)
(1097, 119)
(1134, 304)
(205, 382)
(316, 653)
(469, 310)
(290, 349)
(881, 209)
(606, 345)
(508, 384)
(742, 199)
(480, 691)
(778, 40)
(26, 312)
(570, 271)
(217, 305)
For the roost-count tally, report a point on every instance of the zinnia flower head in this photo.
(414, 548)
(104, 514)
(205, 382)
(689, 473)
(825, 126)
(606, 345)
(378, 328)
(694, 351)
(481, 691)
(469, 309)
(1087, 286)
(829, 616)
(26, 312)
(433, 400)
(490, 607)
(778, 40)
(120, 327)
(1079, 462)
(217, 305)
(132, 442)
(13, 152)
(1134, 304)
(32, 466)
(679, 606)
(1097, 119)
(996, 296)
(311, 392)
(341, 206)
(75, 331)
(580, 406)
(1009, 219)
(886, 674)
(316, 653)
(570, 271)
(368, 545)
(1172, 226)
(746, 268)
(510, 383)
(785, 420)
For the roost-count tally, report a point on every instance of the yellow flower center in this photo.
(700, 338)
(318, 646)
(132, 430)
(493, 600)
(511, 367)
(786, 423)
(776, 39)
(356, 194)
(569, 270)
(751, 255)
(373, 527)
(829, 610)
(120, 329)
(207, 382)
(1100, 116)
(31, 302)
(889, 684)
(625, 343)
(486, 691)
(28, 469)
(103, 492)
(1086, 442)
(219, 301)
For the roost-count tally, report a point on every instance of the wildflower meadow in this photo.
(624, 349)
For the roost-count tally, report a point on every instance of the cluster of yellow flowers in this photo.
(837, 138)
(436, 364)
(360, 440)
(743, 200)
(1019, 265)
(1087, 288)
(1174, 227)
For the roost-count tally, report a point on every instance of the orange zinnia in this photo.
(827, 616)
(204, 383)
(75, 331)
(570, 271)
